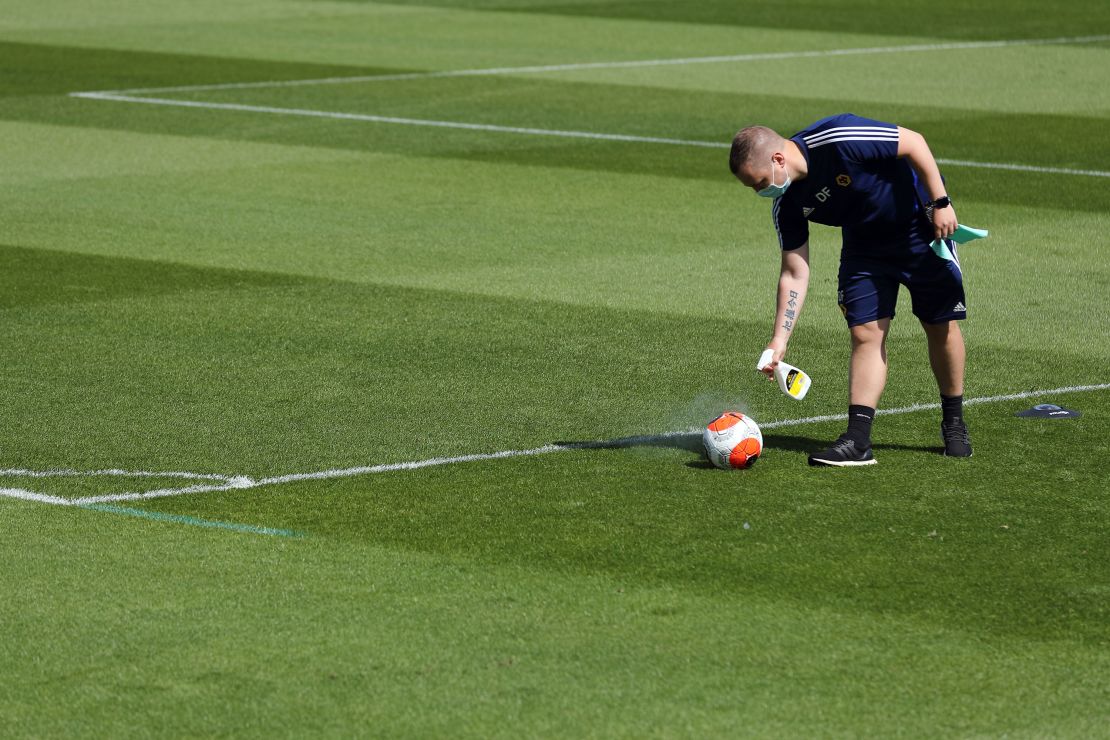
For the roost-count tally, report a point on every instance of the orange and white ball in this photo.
(733, 440)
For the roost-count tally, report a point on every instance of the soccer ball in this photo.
(733, 440)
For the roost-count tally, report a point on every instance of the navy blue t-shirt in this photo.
(854, 180)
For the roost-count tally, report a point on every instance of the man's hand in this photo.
(944, 222)
(778, 351)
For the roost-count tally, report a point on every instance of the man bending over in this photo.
(880, 184)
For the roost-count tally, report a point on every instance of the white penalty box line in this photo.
(214, 482)
(145, 95)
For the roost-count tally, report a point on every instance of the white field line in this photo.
(238, 482)
(221, 483)
(1021, 167)
(242, 482)
(42, 498)
(395, 120)
(114, 472)
(570, 134)
(549, 68)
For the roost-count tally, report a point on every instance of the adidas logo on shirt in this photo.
(806, 210)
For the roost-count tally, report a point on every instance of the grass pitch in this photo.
(247, 292)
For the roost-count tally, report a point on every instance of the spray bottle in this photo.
(792, 381)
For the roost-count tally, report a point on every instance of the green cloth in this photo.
(962, 235)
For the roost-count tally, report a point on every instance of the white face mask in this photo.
(773, 190)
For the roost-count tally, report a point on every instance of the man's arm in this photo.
(913, 148)
(793, 284)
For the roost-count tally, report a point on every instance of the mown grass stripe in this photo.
(492, 128)
(192, 520)
(627, 64)
(547, 449)
(243, 482)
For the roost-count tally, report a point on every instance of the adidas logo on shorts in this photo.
(959, 307)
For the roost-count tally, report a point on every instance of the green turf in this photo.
(244, 293)
(990, 19)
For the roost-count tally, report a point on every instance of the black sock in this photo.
(952, 407)
(859, 424)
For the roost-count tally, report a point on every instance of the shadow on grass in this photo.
(691, 442)
(809, 444)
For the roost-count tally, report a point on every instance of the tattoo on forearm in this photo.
(791, 311)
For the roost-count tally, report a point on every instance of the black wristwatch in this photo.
(942, 202)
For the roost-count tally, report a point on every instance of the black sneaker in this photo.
(842, 453)
(957, 443)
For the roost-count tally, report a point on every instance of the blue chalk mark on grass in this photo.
(192, 520)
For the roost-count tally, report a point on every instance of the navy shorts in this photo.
(871, 271)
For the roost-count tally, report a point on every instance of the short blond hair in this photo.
(752, 143)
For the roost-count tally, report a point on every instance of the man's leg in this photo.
(947, 356)
(866, 379)
(867, 371)
(867, 291)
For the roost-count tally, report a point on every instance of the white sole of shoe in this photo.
(842, 463)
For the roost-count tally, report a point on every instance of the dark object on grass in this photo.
(1050, 411)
